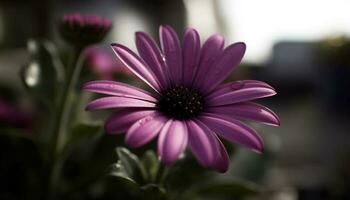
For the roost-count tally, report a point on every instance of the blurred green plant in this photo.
(147, 178)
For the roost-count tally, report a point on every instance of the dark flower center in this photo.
(181, 102)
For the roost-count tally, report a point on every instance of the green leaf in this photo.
(43, 72)
(227, 189)
(153, 192)
(132, 165)
(120, 172)
(151, 163)
(118, 186)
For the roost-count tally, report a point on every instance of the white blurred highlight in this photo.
(201, 16)
(126, 22)
(262, 23)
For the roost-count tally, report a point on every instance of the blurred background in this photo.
(302, 48)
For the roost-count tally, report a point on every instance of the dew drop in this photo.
(237, 85)
(144, 120)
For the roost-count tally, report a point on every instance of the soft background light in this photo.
(262, 23)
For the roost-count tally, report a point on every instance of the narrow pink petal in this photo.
(118, 102)
(233, 131)
(144, 130)
(238, 92)
(247, 111)
(121, 121)
(172, 141)
(202, 143)
(236, 85)
(151, 54)
(190, 53)
(224, 65)
(172, 51)
(222, 160)
(210, 51)
(117, 89)
(133, 62)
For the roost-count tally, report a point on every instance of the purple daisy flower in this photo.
(189, 107)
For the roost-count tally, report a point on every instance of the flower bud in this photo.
(83, 30)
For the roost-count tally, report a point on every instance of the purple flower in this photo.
(189, 107)
(82, 30)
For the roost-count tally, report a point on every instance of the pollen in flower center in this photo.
(181, 102)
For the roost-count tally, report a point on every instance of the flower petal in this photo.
(151, 54)
(222, 160)
(225, 64)
(240, 91)
(202, 143)
(172, 141)
(190, 53)
(117, 89)
(144, 130)
(172, 51)
(233, 131)
(236, 85)
(122, 120)
(118, 102)
(247, 111)
(137, 66)
(210, 51)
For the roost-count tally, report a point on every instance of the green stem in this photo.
(68, 102)
(61, 120)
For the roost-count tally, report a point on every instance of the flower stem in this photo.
(61, 123)
(69, 97)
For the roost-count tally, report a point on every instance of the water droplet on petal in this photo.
(144, 120)
(237, 85)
